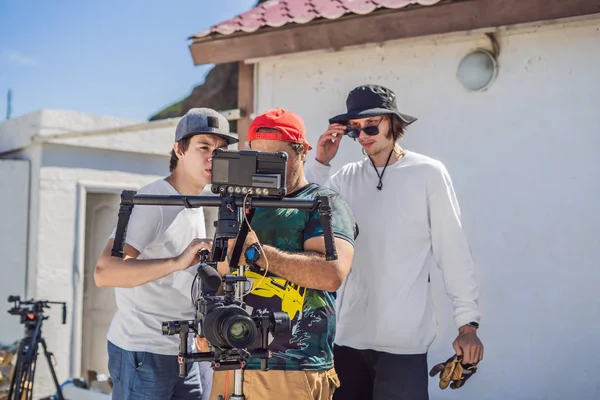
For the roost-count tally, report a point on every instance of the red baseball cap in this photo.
(289, 124)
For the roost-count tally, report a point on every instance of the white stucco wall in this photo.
(14, 208)
(16, 133)
(157, 141)
(19, 132)
(523, 160)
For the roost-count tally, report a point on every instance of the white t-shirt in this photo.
(406, 228)
(157, 232)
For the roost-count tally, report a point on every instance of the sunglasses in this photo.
(371, 130)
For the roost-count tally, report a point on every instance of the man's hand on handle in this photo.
(190, 256)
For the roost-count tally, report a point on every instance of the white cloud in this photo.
(18, 58)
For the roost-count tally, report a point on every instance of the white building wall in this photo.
(16, 133)
(33, 154)
(523, 158)
(14, 200)
(19, 132)
(65, 121)
(149, 141)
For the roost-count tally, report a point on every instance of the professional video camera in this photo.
(31, 314)
(247, 179)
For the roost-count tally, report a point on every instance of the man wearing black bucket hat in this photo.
(152, 281)
(409, 217)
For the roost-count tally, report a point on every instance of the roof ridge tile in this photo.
(277, 13)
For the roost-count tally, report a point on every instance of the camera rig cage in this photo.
(245, 180)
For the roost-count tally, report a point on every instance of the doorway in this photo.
(99, 304)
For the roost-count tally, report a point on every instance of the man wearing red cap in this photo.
(288, 248)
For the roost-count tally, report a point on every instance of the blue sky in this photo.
(123, 58)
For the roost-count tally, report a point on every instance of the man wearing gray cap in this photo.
(152, 281)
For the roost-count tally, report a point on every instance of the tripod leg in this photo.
(15, 374)
(23, 380)
(52, 371)
(20, 373)
(28, 373)
(27, 381)
(31, 375)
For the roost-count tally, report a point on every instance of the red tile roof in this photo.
(276, 13)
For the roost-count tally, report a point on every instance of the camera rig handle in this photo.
(124, 213)
(325, 218)
(129, 198)
(64, 313)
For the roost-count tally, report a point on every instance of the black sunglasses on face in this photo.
(370, 130)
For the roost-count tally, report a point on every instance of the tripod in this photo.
(21, 385)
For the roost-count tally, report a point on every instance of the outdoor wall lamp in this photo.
(478, 69)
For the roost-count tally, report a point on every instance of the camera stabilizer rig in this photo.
(32, 316)
(245, 180)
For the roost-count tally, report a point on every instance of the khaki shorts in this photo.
(278, 385)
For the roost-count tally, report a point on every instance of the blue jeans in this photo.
(140, 375)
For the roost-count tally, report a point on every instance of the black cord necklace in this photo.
(380, 184)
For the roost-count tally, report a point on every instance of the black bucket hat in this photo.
(369, 101)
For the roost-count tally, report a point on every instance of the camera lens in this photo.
(229, 327)
(239, 331)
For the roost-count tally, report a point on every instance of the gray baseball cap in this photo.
(204, 121)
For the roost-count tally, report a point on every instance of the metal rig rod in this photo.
(214, 201)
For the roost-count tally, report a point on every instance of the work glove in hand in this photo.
(453, 373)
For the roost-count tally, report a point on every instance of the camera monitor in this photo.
(258, 174)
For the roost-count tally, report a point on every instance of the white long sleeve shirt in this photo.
(405, 229)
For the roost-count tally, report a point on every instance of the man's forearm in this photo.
(131, 272)
(453, 256)
(308, 269)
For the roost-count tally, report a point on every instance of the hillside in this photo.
(219, 91)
